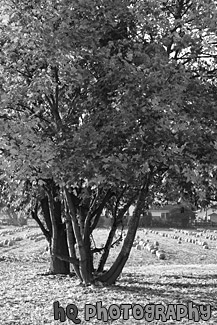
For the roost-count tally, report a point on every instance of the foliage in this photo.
(105, 104)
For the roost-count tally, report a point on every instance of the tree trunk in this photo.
(71, 243)
(53, 222)
(85, 274)
(105, 254)
(89, 254)
(87, 242)
(57, 266)
(46, 213)
(113, 273)
(61, 267)
(46, 232)
(118, 219)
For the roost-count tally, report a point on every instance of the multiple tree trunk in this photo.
(68, 227)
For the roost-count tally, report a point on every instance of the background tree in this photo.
(181, 216)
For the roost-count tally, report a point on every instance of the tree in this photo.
(104, 105)
(181, 215)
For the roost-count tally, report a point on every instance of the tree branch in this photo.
(65, 258)
(97, 213)
(34, 214)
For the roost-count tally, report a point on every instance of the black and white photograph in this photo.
(108, 162)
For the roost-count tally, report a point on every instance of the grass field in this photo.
(187, 274)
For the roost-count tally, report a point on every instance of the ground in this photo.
(187, 274)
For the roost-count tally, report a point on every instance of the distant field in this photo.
(188, 273)
(175, 245)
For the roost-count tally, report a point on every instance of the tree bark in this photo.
(71, 243)
(85, 273)
(113, 273)
(46, 232)
(53, 222)
(46, 214)
(118, 219)
(107, 247)
(57, 266)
